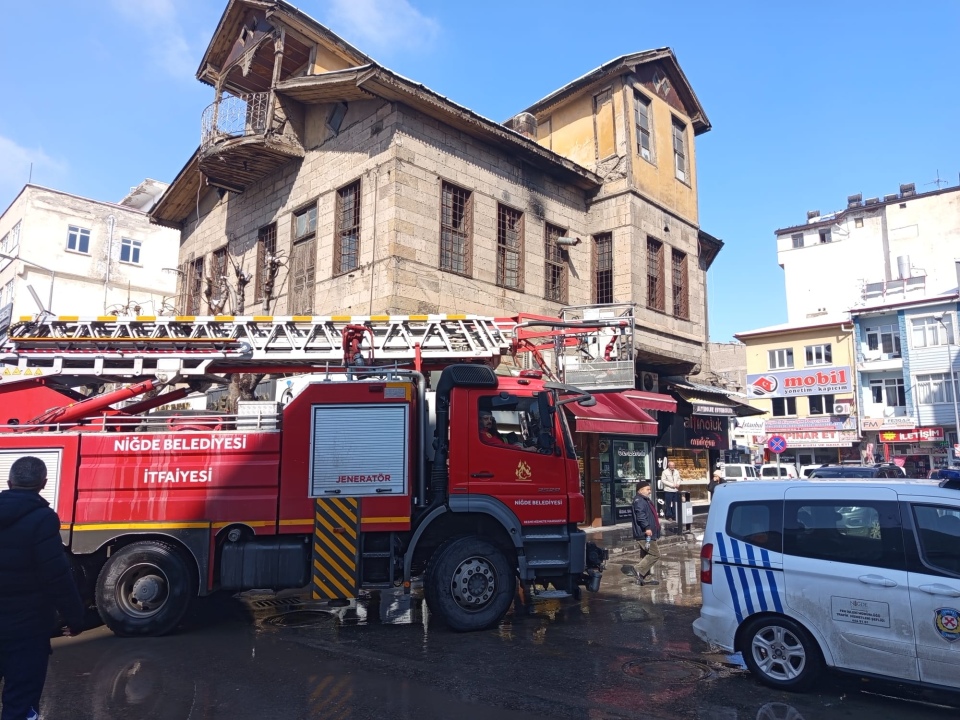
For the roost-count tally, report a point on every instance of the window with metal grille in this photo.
(641, 113)
(266, 249)
(555, 270)
(655, 291)
(194, 286)
(456, 229)
(681, 288)
(680, 149)
(603, 268)
(218, 280)
(509, 247)
(346, 248)
(303, 261)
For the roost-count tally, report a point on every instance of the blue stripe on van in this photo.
(758, 584)
(746, 589)
(722, 547)
(774, 591)
(765, 556)
(735, 547)
(728, 571)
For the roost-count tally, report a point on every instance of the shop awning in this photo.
(704, 404)
(651, 400)
(614, 413)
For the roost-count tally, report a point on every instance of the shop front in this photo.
(917, 451)
(615, 442)
(695, 444)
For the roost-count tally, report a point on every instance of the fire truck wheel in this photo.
(469, 584)
(144, 589)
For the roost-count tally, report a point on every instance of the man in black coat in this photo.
(35, 583)
(646, 529)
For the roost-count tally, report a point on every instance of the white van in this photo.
(861, 576)
(771, 471)
(734, 471)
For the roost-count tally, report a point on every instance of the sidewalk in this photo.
(618, 539)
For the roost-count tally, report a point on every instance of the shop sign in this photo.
(823, 423)
(756, 426)
(707, 432)
(931, 434)
(699, 409)
(789, 383)
(888, 423)
(820, 438)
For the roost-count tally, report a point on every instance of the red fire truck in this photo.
(367, 477)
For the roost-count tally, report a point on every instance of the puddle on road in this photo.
(669, 672)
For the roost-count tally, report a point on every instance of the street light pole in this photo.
(53, 276)
(953, 387)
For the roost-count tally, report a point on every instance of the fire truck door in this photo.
(513, 458)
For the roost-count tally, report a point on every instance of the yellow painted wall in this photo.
(657, 179)
(327, 61)
(757, 356)
(572, 131)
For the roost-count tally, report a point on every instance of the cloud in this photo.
(382, 25)
(159, 22)
(15, 169)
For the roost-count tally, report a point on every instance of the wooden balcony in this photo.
(239, 142)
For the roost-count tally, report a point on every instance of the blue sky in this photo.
(810, 101)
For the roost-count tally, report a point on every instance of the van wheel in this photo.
(145, 588)
(781, 653)
(469, 584)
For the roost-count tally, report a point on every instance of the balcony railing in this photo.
(234, 116)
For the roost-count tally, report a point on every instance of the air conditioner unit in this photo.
(649, 381)
(842, 408)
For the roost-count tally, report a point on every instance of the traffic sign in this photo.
(777, 444)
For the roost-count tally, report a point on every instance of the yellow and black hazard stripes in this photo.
(336, 565)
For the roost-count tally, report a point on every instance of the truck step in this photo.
(547, 563)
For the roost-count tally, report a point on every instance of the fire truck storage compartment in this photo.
(358, 450)
(275, 562)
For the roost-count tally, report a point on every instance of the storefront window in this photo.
(631, 459)
(694, 467)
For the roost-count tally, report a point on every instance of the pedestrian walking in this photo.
(35, 583)
(717, 479)
(646, 529)
(670, 484)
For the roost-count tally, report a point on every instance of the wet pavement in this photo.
(625, 652)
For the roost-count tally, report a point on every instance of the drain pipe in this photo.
(111, 223)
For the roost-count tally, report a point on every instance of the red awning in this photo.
(651, 401)
(613, 413)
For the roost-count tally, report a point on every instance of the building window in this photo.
(935, 388)
(346, 250)
(819, 354)
(781, 359)
(797, 240)
(509, 247)
(6, 294)
(130, 251)
(641, 113)
(10, 241)
(929, 332)
(681, 299)
(555, 261)
(603, 268)
(680, 149)
(888, 392)
(820, 404)
(303, 261)
(191, 278)
(655, 290)
(885, 338)
(858, 222)
(784, 406)
(217, 289)
(78, 239)
(825, 236)
(266, 252)
(456, 228)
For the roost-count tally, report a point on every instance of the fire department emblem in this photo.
(947, 622)
(524, 473)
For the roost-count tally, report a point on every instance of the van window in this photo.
(733, 471)
(757, 523)
(938, 527)
(858, 532)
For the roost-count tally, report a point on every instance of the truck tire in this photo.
(469, 584)
(144, 589)
(781, 653)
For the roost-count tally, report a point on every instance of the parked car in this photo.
(735, 471)
(858, 576)
(945, 474)
(805, 470)
(770, 471)
(882, 470)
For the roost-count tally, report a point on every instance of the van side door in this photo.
(845, 576)
(932, 527)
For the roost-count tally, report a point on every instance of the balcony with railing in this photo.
(243, 139)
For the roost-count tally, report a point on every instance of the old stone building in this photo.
(325, 184)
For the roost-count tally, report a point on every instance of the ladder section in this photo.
(188, 345)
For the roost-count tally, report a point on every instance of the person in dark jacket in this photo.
(35, 583)
(646, 529)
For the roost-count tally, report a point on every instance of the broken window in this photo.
(456, 224)
(555, 270)
(509, 247)
(266, 251)
(603, 268)
(655, 290)
(641, 113)
(346, 250)
(192, 276)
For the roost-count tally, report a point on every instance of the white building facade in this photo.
(85, 257)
